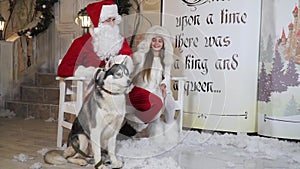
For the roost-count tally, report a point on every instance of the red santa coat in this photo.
(81, 52)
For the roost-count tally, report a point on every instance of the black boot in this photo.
(127, 130)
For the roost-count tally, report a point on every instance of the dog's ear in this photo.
(98, 75)
(98, 80)
(109, 63)
(124, 62)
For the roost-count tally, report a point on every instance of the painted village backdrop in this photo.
(278, 81)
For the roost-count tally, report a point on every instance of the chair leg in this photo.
(62, 87)
(60, 128)
(181, 81)
(180, 119)
(59, 135)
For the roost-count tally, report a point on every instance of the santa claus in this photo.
(94, 49)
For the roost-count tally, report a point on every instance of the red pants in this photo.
(147, 104)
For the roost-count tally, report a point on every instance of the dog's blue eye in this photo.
(126, 72)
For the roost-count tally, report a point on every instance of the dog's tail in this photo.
(55, 157)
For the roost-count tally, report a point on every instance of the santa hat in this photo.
(144, 45)
(101, 11)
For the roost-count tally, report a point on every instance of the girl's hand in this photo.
(163, 90)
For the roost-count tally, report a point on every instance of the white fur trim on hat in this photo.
(144, 46)
(108, 11)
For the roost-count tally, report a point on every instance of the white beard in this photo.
(106, 41)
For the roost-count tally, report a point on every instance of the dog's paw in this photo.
(90, 161)
(78, 161)
(82, 162)
(117, 164)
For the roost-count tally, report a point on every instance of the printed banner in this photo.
(278, 84)
(218, 49)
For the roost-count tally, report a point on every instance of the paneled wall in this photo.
(65, 28)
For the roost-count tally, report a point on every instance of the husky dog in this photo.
(98, 121)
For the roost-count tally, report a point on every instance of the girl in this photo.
(152, 94)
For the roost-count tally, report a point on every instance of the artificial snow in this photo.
(194, 150)
(210, 150)
(37, 165)
(43, 151)
(51, 119)
(30, 118)
(22, 158)
(5, 113)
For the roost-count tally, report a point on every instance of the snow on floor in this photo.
(4, 113)
(205, 150)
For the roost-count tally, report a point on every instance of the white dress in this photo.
(159, 76)
(156, 78)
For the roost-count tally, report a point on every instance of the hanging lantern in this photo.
(85, 20)
(2, 24)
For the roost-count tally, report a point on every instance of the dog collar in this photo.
(109, 92)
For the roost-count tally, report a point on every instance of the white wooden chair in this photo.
(70, 102)
(73, 106)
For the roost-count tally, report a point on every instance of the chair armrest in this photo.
(71, 78)
(179, 78)
(79, 85)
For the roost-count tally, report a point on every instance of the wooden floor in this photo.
(28, 137)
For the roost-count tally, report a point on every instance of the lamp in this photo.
(85, 20)
(2, 23)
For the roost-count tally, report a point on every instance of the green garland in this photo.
(123, 6)
(45, 8)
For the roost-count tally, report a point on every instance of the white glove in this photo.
(87, 72)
